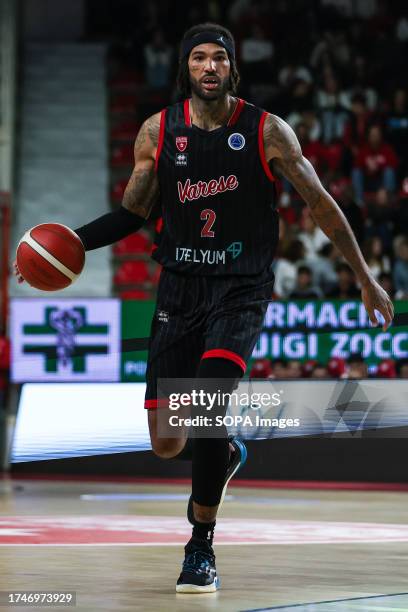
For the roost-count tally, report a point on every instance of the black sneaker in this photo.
(198, 574)
(237, 460)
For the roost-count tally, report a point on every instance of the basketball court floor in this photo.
(120, 546)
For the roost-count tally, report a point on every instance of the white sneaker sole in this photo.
(196, 589)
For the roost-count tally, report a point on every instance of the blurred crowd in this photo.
(333, 69)
(354, 367)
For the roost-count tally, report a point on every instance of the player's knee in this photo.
(166, 449)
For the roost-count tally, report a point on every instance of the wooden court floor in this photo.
(120, 546)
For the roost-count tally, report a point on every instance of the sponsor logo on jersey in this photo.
(209, 256)
(236, 141)
(163, 316)
(181, 143)
(181, 159)
(203, 189)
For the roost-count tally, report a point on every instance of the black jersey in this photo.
(217, 194)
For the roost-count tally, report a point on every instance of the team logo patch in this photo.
(236, 141)
(181, 143)
(163, 316)
(181, 159)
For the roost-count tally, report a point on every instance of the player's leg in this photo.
(174, 353)
(211, 461)
(233, 328)
(211, 455)
(178, 361)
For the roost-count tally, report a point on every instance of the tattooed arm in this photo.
(141, 193)
(282, 146)
(142, 190)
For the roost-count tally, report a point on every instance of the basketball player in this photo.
(211, 161)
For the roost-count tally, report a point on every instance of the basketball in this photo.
(50, 256)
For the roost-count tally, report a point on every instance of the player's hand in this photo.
(20, 279)
(375, 298)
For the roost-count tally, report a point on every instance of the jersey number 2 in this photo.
(209, 217)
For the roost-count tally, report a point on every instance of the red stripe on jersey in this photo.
(224, 354)
(235, 115)
(159, 225)
(262, 148)
(161, 138)
(187, 117)
(156, 403)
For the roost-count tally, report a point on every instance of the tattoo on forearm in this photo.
(142, 192)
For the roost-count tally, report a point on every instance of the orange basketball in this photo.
(50, 256)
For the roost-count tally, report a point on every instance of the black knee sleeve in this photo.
(211, 455)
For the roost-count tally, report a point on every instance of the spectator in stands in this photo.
(386, 282)
(356, 367)
(280, 368)
(158, 61)
(401, 29)
(261, 368)
(346, 284)
(386, 369)
(312, 237)
(331, 102)
(402, 368)
(356, 128)
(314, 151)
(324, 267)
(374, 256)
(342, 192)
(286, 235)
(397, 128)
(381, 218)
(256, 55)
(360, 77)
(286, 269)
(308, 117)
(401, 269)
(375, 165)
(295, 87)
(294, 369)
(304, 289)
(331, 50)
(320, 371)
(293, 72)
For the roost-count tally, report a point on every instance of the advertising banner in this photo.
(322, 329)
(65, 339)
(105, 340)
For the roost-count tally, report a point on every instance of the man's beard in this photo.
(208, 96)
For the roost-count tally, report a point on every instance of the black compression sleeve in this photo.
(109, 228)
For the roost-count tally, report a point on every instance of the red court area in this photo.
(166, 531)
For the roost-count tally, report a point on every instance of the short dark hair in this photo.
(183, 75)
(343, 267)
(355, 358)
(399, 364)
(304, 270)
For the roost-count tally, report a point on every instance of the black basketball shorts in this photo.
(199, 317)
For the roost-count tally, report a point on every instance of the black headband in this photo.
(207, 37)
